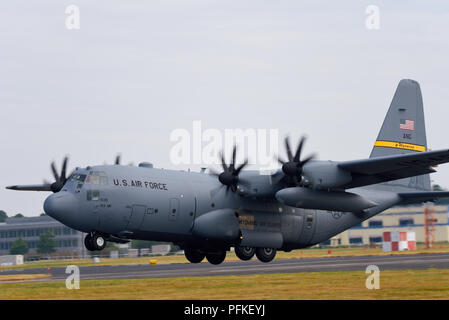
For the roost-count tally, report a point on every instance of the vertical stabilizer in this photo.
(404, 131)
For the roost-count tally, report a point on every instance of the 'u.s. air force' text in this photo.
(140, 184)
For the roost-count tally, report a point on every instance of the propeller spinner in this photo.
(230, 175)
(292, 168)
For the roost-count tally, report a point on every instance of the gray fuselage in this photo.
(162, 205)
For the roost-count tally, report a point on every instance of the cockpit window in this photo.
(97, 177)
(78, 177)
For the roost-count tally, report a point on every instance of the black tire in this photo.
(98, 242)
(216, 258)
(265, 254)
(244, 253)
(88, 243)
(194, 255)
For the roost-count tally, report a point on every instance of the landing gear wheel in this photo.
(265, 254)
(244, 253)
(98, 242)
(88, 243)
(194, 255)
(216, 258)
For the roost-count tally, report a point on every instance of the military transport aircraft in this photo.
(305, 202)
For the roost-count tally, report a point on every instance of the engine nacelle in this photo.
(323, 200)
(221, 224)
(326, 175)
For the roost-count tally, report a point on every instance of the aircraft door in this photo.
(174, 214)
(181, 212)
(136, 219)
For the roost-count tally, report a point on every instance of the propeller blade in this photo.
(289, 151)
(234, 153)
(299, 149)
(36, 187)
(223, 162)
(64, 169)
(55, 172)
(311, 157)
(244, 164)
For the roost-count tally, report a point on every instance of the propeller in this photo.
(230, 175)
(60, 180)
(292, 168)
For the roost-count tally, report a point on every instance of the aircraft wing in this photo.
(388, 168)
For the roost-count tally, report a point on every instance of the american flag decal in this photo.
(407, 125)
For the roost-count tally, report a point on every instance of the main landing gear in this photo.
(94, 242)
(196, 256)
(263, 254)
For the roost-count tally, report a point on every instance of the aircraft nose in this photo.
(61, 205)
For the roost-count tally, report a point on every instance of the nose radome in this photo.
(61, 205)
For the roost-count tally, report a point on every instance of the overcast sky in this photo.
(137, 70)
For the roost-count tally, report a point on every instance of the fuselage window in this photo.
(93, 195)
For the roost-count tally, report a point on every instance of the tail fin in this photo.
(404, 131)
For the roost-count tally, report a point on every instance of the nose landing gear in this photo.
(94, 242)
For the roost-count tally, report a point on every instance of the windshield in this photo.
(97, 177)
(78, 177)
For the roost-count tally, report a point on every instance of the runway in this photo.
(393, 262)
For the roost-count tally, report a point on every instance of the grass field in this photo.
(295, 254)
(405, 284)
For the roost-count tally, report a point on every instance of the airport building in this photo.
(69, 241)
(401, 218)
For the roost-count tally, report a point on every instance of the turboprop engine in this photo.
(325, 174)
(323, 200)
